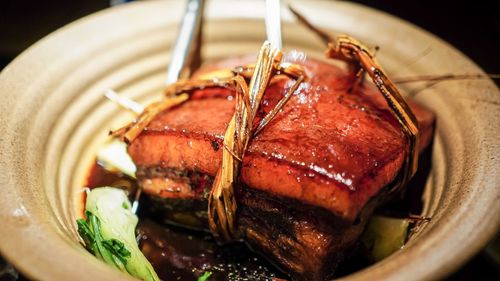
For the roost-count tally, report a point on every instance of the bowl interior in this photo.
(57, 117)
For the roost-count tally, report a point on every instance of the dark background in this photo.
(471, 26)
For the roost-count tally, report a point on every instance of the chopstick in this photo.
(187, 46)
(273, 23)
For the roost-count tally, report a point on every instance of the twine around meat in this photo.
(222, 205)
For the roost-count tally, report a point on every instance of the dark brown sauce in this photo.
(180, 254)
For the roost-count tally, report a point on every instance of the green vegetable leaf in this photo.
(117, 248)
(205, 276)
(108, 232)
(384, 235)
(85, 232)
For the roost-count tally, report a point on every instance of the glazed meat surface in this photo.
(329, 147)
(309, 181)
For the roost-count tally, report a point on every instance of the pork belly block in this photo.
(308, 182)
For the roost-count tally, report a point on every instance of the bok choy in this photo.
(109, 232)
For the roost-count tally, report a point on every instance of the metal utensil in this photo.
(273, 23)
(186, 52)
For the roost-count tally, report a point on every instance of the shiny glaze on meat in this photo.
(330, 147)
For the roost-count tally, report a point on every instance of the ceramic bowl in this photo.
(54, 116)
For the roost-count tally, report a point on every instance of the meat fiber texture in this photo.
(308, 181)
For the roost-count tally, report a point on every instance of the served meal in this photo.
(290, 155)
